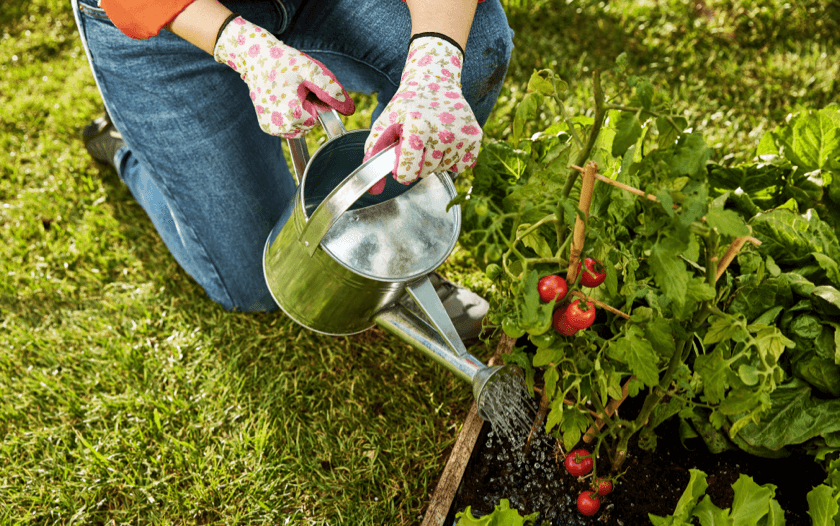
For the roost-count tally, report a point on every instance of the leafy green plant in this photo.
(752, 505)
(713, 347)
(503, 515)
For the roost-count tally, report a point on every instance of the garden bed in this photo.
(653, 482)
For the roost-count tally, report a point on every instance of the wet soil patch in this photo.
(653, 482)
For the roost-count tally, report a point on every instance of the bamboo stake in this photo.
(586, 189)
(600, 304)
(623, 186)
(732, 251)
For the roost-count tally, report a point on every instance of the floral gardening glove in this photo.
(429, 120)
(280, 78)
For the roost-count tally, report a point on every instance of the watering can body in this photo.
(339, 259)
(338, 255)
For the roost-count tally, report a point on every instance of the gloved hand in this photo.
(428, 118)
(280, 78)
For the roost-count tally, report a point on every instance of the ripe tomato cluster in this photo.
(575, 316)
(579, 463)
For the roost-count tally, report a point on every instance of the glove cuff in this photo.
(436, 35)
(227, 21)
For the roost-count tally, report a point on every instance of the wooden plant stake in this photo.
(586, 189)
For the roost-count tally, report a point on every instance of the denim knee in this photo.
(487, 57)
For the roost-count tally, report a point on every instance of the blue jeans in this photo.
(195, 159)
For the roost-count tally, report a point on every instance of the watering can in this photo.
(339, 259)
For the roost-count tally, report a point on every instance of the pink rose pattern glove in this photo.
(280, 78)
(428, 118)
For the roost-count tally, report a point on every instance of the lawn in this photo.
(128, 397)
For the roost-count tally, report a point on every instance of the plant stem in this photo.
(600, 114)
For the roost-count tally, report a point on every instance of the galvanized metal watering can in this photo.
(339, 259)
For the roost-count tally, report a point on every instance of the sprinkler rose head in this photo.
(494, 386)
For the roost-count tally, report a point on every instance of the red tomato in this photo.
(578, 462)
(580, 317)
(588, 503)
(603, 486)
(552, 287)
(561, 324)
(595, 273)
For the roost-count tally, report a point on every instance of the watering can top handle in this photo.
(332, 125)
(344, 195)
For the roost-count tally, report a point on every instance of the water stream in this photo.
(510, 410)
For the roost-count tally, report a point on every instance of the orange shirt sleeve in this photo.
(142, 19)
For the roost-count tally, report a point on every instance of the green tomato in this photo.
(542, 340)
(511, 327)
(493, 271)
(481, 209)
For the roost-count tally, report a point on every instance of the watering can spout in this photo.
(439, 341)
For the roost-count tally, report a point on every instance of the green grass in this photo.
(128, 397)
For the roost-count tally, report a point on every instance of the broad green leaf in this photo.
(811, 140)
(555, 415)
(830, 266)
(693, 491)
(644, 93)
(712, 368)
(722, 329)
(540, 84)
(573, 425)
(775, 516)
(710, 515)
(668, 134)
(690, 155)
(669, 273)
(739, 401)
(535, 241)
(526, 111)
(628, 129)
(727, 222)
(502, 515)
(547, 355)
(551, 377)
(637, 352)
(822, 505)
(754, 299)
(751, 501)
(793, 418)
(828, 296)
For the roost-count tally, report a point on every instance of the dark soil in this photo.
(653, 481)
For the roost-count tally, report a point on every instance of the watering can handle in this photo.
(332, 125)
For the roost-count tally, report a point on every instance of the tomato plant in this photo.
(709, 347)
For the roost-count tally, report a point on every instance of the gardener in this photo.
(197, 113)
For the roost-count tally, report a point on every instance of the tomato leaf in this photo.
(573, 426)
(628, 129)
(526, 111)
(690, 155)
(712, 368)
(669, 272)
(555, 415)
(727, 222)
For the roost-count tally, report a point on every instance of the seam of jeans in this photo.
(360, 61)
(93, 11)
